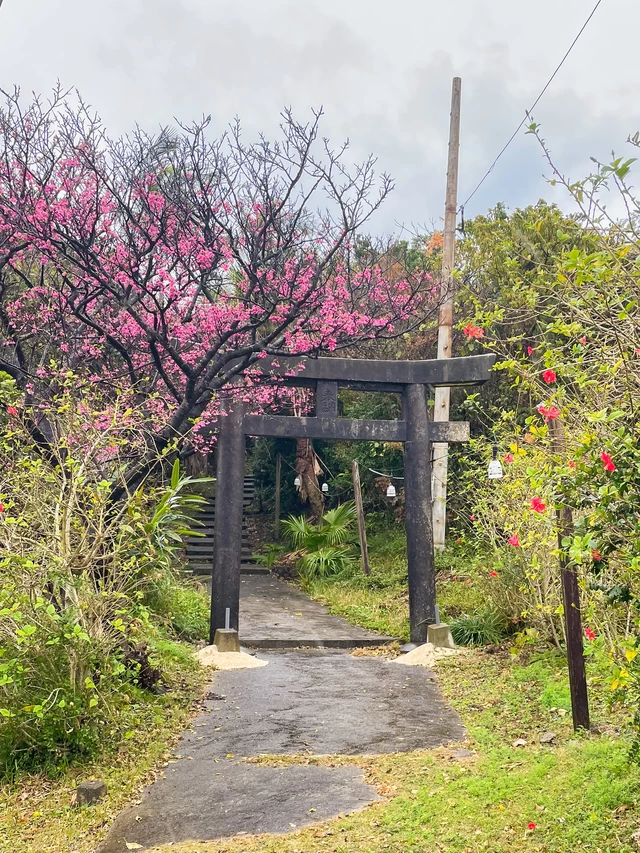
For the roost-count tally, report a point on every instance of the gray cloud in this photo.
(382, 72)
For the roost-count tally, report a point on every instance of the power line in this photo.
(532, 107)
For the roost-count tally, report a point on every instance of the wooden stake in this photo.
(571, 602)
(276, 525)
(362, 531)
(573, 626)
(445, 318)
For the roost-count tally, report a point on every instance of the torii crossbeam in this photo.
(414, 430)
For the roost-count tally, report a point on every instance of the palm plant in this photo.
(326, 549)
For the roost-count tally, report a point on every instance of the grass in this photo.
(380, 602)
(36, 814)
(581, 793)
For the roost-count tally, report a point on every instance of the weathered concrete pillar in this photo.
(225, 588)
(418, 513)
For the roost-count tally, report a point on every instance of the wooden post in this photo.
(418, 521)
(362, 530)
(225, 586)
(445, 318)
(276, 526)
(573, 626)
(571, 603)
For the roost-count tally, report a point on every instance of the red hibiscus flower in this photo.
(571, 463)
(532, 825)
(514, 541)
(549, 376)
(609, 464)
(537, 505)
(596, 556)
(1, 507)
(508, 458)
(589, 633)
(583, 340)
(12, 411)
(472, 518)
(529, 350)
(548, 413)
(493, 574)
(471, 331)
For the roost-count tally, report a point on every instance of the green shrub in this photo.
(78, 571)
(184, 606)
(481, 628)
(326, 549)
(60, 679)
(328, 561)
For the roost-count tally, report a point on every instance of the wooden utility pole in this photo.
(362, 530)
(276, 524)
(445, 318)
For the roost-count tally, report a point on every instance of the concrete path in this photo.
(276, 615)
(317, 702)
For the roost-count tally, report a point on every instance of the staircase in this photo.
(200, 548)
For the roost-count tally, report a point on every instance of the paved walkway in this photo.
(313, 701)
(276, 615)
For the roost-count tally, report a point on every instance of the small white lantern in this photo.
(391, 491)
(495, 471)
(296, 482)
(325, 488)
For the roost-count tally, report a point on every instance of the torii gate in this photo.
(326, 375)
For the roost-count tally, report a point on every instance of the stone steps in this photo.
(200, 548)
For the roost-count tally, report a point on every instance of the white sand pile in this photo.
(210, 656)
(425, 655)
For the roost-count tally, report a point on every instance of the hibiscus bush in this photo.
(562, 313)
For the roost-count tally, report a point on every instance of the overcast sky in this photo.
(381, 70)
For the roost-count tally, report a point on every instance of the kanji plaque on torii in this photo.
(326, 375)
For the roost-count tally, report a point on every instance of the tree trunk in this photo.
(307, 469)
(195, 465)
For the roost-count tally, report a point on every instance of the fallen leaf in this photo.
(519, 742)
(131, 845)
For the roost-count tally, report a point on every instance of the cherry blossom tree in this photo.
(168, 264)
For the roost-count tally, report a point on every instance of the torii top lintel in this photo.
(356, 372)
(326, 374)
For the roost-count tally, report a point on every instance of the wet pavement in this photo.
(277, 615)
(319, 702)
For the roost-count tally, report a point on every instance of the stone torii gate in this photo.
(414, 430)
